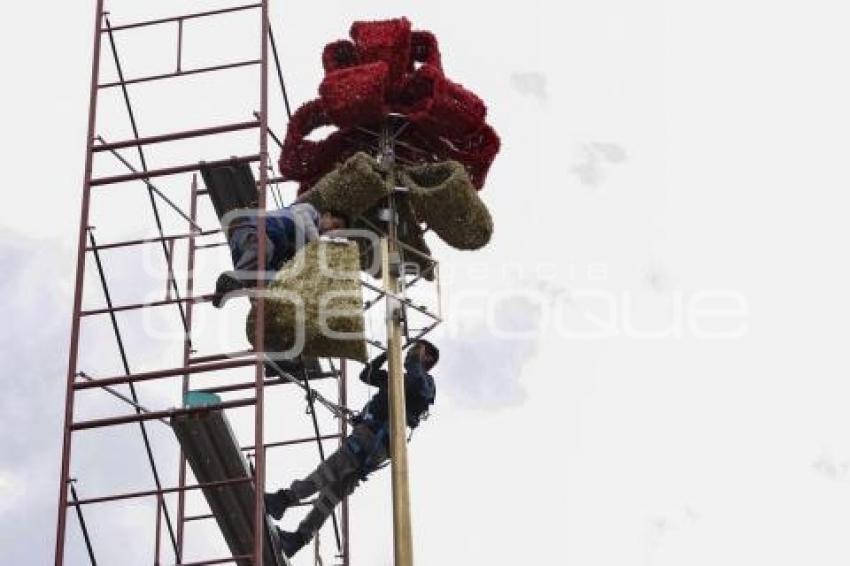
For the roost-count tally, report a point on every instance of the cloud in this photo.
(482, 367)
(827, 466)
(597, 157)
(34, 336)
(531, 84)
(37, 299)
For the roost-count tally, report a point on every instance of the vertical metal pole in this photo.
(187, 353)
(259, 333)
(179, 44)
(170, 261)
(158, 530)
(78, 296)
(343, 433)
(402, 528)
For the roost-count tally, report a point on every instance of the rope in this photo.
(336, 410)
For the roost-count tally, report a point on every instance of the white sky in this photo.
(653, 153)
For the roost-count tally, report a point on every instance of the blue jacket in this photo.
(419, 390)
(289, 229)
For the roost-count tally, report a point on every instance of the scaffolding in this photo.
(181, 297)
(170, 526)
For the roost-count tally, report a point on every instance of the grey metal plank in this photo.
(213, 454)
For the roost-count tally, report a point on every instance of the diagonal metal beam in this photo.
(133, 124)
(82, 520)
(150, 185)
(135, 398)
(280, 74)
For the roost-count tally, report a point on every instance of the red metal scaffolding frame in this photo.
(87, 246)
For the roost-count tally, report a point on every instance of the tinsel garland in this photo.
(388, 69)
(355, 96)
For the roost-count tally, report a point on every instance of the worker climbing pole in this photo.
(411, 147)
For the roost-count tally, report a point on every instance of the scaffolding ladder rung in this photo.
(163, 76)
(155, 492)
(183, 17)
(175, 136)
(161, 374)
(138, 306)
(171, 170)
(155, 240)
(153, 415)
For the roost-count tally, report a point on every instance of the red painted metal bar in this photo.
(259, 333)
(218, 357)
(186, 17)
(136, 417)
(172, 170)
(198, 71)
(127, 243)
(161, 374)
(250, 385)
(292, 442)
(187, 134)
(154, 492)
(187, 353)
(73, 349)
(137, 306)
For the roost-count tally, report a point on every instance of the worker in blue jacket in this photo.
(363, 451)
(288, 229)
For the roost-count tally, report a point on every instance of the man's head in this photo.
(332, 220)
(428, 354)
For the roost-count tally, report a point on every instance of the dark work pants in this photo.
(336, 478)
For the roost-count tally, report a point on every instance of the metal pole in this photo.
(259, 332)
(343, 433)
(187, 354)
(402, 529)
(78, 297)
(158, 530)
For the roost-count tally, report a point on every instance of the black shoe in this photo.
(291, 543)
(227, 283)
(277, 503)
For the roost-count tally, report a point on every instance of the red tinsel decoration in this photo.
(356, 95)
(437, 104)
(424, 49)
(340, 54)
(387, 41)
(388, 69)
(302, 158)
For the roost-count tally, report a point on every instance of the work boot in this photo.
(227, 282)
(291, 543)
(277, 503)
